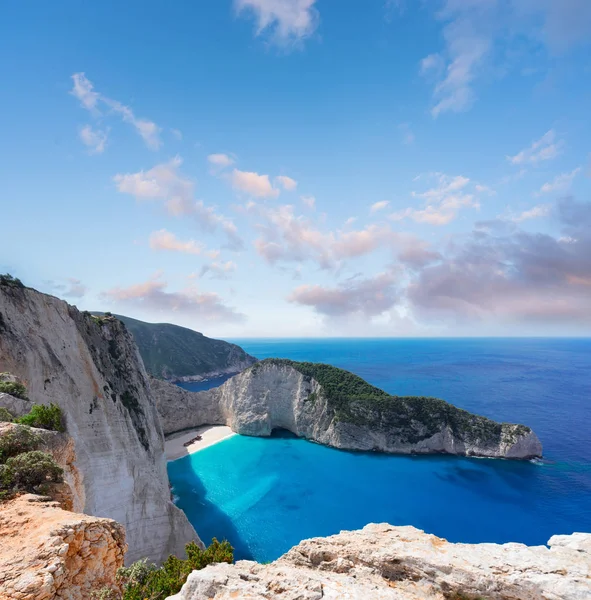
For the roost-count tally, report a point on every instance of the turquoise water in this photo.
(265, 495)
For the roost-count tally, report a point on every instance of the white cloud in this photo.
(152, 295)
(218, 270)
(287, 237)
(253, 184)
(484, 189)
(546, 148)
(560, 183)
(467, 38)
(442, 202)
(377, 206)
(539, 211)
(72, 288)
(369, 297)
(164, 182)
(309, 201)
(177, 133)
(84, 90)
(288, 20)
(95, 139)
(485, 38)
(165, 240)
(287, 183)
(432, 62)
(220, 161)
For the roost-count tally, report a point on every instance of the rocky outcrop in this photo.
(381, 562)
(49, 554)
(91, 368)
(278, 395)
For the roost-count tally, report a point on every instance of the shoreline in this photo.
(174, 447)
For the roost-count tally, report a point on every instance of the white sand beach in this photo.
(210, 434)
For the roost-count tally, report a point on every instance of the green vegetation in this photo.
(16, 441)
(18, 390)
(145, 581)
(10, 281)
(23, 468)
(44, 417)
(29, 471)
(171, 352)
(414, 418)
(5, 416)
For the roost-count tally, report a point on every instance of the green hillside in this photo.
(172, 352)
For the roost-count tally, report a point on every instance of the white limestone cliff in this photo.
(91, 369)
(381, 562)
(277, 396)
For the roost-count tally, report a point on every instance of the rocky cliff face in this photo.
(50, 554)
(382, 562)
(90, 367)
(273, 395)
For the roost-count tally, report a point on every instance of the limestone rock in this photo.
(91, 368)
(47, 553)
(381, 562)
(180, 409)
(271, 396)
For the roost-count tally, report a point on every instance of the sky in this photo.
(302, 168)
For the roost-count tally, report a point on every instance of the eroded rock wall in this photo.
(92, 370)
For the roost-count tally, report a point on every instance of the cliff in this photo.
(336, 408)
(382, 562)
(180, 354)
(91, 368)
(50, 554)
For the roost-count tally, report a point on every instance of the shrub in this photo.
(143, 580)
(11, 281)
(18, 440)
(44, 417)
(30, 470)
(18, 390)
(5, 416)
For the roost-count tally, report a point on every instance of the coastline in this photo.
(174, 447)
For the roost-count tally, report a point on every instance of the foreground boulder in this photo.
(47, 553)
(337, 408)
(381, 562)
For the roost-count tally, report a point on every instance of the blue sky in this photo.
(303, 167)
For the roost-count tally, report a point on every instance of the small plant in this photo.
(144, 580)
(30, 470)
(44, 417)
(105, 594)
(18, 390)
(5, 416)
(18, 440)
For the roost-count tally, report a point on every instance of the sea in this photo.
(266, 495)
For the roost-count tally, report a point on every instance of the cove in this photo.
(267, 494)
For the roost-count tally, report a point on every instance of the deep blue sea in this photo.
(265, 495)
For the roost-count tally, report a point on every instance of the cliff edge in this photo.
(90, 368)
(381, 562)
(49, 553)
